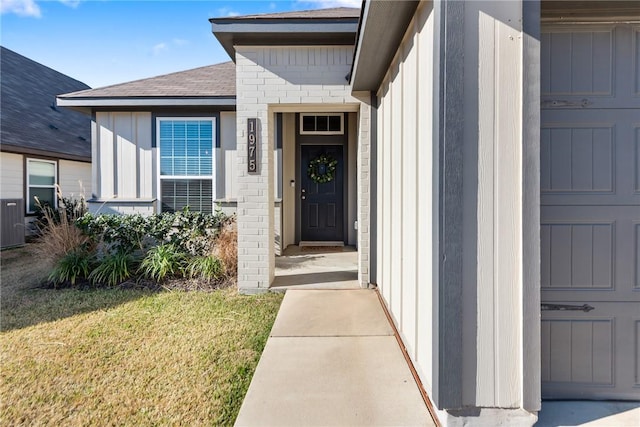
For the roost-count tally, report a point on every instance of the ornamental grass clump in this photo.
(58, 234)
(162, 262)
(73, 266)
(204, 268)
(113, 269)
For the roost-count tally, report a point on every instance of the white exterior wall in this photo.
(11, 176)
(74, 178)
(491, 311)
(407, 200)
(270, 79)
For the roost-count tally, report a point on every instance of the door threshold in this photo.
(324, 243)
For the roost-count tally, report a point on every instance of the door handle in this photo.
(566, 307)
(302, 196)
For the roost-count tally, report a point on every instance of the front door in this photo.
(590, 212)
(321, 213)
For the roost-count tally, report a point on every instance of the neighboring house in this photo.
(41, 145)
(486, 159)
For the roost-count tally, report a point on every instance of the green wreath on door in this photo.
(322, 169)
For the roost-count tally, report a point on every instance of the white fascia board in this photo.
(143, 102)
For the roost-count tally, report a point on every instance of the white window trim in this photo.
(214, 149)
(29, 186)
(322, 132)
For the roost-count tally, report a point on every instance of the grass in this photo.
(124, 356)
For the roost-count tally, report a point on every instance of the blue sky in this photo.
(104, 42)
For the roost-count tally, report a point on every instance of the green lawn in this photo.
(124, 356)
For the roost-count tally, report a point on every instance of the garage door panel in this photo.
(587, 355)
(587, 161)
(594, 249)
(578, 256)
(590, 66)
(579, 350)
(568, 65)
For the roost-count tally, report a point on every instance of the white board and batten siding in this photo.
(407, 207)
(408, 197)
(125, 168)
(590, 214)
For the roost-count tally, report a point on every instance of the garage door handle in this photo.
(564, 103)
(566, 307)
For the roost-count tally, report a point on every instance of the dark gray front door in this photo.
(322, 213)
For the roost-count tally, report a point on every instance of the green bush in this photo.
(163, 261)
(205, 267)
(72, 266)
(114, 269)
(191, 232)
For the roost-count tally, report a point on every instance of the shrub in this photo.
(226, 248)
(163, 261)
(191, 232)
(205, 267)
(114, 269)
(71, 267)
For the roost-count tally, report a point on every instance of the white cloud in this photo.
(225, 11)
(20, 8)
(180, 42)
(159, 48)
(325, 4)
(273, 5)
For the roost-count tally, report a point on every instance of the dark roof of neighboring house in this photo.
(30, 122)
(333, 13)
(335, 26)
(217, 80)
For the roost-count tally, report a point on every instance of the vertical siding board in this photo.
(126, 155)
(396, 194)
(485, 387)
(145, 154)
(386, 249)
(409, 169)
(509, 202)
(105, 142)
(426, 181)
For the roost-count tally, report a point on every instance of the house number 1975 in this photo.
(252, 146)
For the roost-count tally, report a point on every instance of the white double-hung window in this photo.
(42, 177)
(186, 161)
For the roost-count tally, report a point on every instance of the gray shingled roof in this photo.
(333, 13)
(211, 81)
(30, 123)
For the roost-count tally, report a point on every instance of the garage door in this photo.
(590, 213)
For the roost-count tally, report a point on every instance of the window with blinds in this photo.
(187, 154)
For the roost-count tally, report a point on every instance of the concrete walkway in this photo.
(332, 360)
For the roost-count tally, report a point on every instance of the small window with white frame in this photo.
(321, 124)
(42, 177)
(186, 151)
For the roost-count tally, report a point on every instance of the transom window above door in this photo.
(186, 159)
(321, 124)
